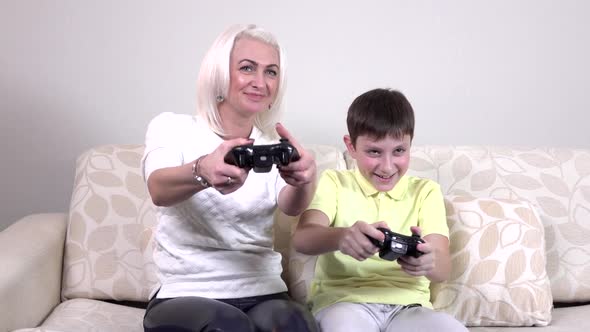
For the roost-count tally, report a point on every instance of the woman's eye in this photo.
(271, 72)
(247, 68)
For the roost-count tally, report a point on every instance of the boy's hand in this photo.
(302, 171)
(422, 265)
(355, 243)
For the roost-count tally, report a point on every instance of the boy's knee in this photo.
(346, 316)
(424, 319)
(446, 322)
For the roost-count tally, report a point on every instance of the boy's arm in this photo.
(314, 236)
(435, 264)
(441, 257)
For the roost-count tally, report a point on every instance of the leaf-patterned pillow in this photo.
(108, 252)
(498, 275)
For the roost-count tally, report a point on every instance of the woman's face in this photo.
(254, 76)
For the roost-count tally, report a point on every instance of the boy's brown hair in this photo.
(379, 113)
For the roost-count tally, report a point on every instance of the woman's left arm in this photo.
(294, 199)
(300, 176)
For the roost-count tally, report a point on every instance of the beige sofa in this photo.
(519, 221)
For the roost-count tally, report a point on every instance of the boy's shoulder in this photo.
(335, 180)
(419, 184)
(343, 175)
(417, 180)
(338, 175)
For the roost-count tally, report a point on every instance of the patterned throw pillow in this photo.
(555, 180)
(108, 252)
(498, 275)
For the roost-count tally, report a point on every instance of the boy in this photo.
(354, 289)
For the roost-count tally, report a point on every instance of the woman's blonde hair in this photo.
(214, 76)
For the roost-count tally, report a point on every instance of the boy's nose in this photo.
(387, 164)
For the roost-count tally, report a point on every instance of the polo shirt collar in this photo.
(397, 192)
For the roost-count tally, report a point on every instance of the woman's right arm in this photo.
(172, 185)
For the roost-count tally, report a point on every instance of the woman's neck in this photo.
(235, 125)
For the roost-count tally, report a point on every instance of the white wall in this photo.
(75, 74)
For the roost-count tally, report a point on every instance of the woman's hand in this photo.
(222, 176)
(300, 175)
(301, 172)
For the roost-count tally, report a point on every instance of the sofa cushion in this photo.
(498, 275)
(566, 319)
(108, 252)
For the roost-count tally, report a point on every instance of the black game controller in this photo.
(261, 157)
(396, 245)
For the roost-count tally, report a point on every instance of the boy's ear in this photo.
(349, 145)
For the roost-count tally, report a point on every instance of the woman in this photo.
(217, 268)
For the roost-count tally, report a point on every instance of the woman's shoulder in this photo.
(173, 118)
(172, 121)
(171, 127)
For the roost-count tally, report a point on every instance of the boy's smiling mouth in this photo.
(384, 177)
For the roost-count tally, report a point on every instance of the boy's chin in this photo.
(384, 186)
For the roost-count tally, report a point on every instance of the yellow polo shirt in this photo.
(346, 197)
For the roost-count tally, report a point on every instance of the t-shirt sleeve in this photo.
(325, 199)
(161, 146)
(432, 216)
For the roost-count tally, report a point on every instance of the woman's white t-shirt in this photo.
(212, 245)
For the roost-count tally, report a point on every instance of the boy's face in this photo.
(381, 161)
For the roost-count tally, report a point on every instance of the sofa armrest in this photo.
(31, 252)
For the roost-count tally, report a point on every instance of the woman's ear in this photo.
(349, 145)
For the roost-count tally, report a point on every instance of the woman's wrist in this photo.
(197, 175)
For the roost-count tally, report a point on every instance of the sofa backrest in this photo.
(108, 253)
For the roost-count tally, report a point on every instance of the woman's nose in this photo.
(258, 80)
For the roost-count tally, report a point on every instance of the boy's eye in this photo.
(399, 151)
(373, 152)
